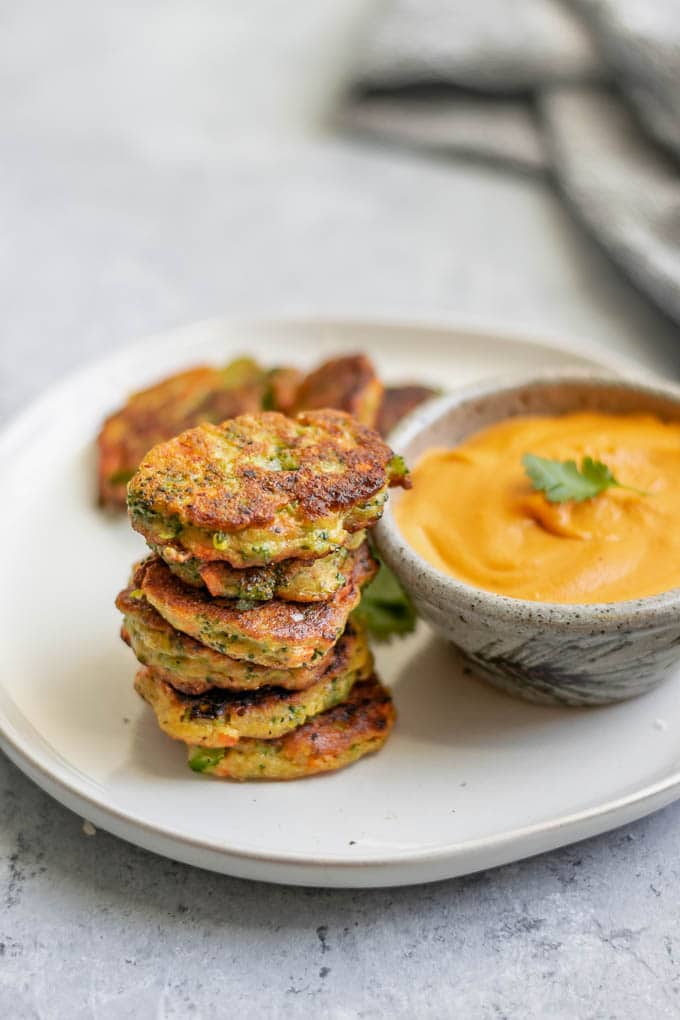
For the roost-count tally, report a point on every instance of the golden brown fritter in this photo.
(325, 743)
(194, 668)
(291, 580)
(285, 635)
(221, 718)
(398, 401)
(200, 394)
(347, 384)
(262, 488)
(281, 390)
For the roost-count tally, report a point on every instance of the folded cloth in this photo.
(641, 42)
(490, 45)
(499, 129)
(543, 87)
(625, 191)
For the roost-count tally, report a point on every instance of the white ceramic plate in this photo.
(470, 778)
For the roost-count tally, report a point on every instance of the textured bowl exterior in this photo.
(543, 652)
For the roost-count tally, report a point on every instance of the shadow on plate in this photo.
(441, 701)
(153, 753)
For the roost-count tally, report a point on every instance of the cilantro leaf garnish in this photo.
(564, 480)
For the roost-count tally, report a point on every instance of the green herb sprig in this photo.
(562, 481)
(385, 608)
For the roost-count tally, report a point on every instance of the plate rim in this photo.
(409, 856)
(54, 773)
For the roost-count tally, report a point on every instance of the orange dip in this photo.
(473, 513)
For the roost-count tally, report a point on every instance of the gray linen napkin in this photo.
(544, 87)
(625, 191)
(641, 42)
(497, 129)
(490, 45)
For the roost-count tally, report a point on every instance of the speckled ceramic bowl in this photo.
(545, 652)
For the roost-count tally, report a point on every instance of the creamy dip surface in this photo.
(473, 513)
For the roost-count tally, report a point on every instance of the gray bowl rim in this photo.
(648, 612)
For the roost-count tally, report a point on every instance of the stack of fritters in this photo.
(241, 617)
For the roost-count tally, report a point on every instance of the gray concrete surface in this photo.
(91, 927)
(166, 162)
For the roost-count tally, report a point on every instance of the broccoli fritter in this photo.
(347, 384)
(398, 401)
(292, 580)
(194, 668)
(200, 394)
(325, 743)
(285, 635)
(262, 488)
(221, 718)
(282, 387)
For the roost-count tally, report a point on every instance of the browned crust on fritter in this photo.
(215, 702)
(327, 742)
(397, 402)
(220, 718)
(347, 384)
(283, 387)
(195, 493)
(368, 712)
(257, 676)
(159, 412)
(303, 629)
